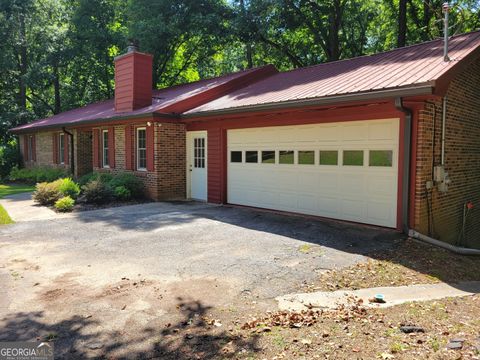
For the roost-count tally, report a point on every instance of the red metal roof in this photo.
(415, 65)
(163, 100)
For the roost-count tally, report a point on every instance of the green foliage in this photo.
(64, 204)
(97, 192)
(12, 189)
(48, 193)
(37, 174)
(103, 177)
(129, 182)
(9, 158)
(4, 217)
(122, 193)
(69, 188)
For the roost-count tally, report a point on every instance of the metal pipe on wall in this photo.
(444, 121)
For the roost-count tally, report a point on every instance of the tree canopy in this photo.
(58, 54)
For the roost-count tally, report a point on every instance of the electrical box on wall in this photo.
(442, 180)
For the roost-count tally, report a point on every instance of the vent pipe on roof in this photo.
(132, 45)
(445, 9)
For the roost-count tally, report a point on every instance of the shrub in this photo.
(37, 174)
(9, 158)
(69, 188)
(97, 192)
(47, 193)
(122, 193)
(103, 177)
(65, 204)
(130, 182)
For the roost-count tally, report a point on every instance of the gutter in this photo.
(96, 121)
(455, 249)
(72, 151)
(407, 141)
(426, 89)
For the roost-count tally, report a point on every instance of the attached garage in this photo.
(344, 170)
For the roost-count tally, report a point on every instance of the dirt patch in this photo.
(408, 264)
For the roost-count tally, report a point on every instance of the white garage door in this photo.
(345, 170)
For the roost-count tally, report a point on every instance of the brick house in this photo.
(390, 139)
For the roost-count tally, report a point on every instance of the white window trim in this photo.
(61, 152)
(104, 165)
(137, 148)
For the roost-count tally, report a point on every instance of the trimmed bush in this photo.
(47, 193)
(130, 182)
(103, 177)
(97, 192)
(122, 193)
(65, 204)
(69, 188)
(37, 174)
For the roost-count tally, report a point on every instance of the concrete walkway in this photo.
(392, 295)
(21, 208)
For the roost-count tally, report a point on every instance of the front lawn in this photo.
(10, 190)
(14, 189)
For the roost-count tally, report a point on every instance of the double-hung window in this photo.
(141, 149)
(105, 148)
(61, 148)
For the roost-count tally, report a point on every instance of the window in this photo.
(353, 157)
(328, 157)
(285, 157)
(236, 156)
(30, 148)
(199, 153)
(306, 157)
(268, 157)
(61, 148)
(251, 156)
(142, 149)
(105, 148)
(380, 158)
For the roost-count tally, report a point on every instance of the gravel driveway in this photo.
(106, 274)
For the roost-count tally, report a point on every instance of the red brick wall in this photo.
(167, 181)
(462, 161)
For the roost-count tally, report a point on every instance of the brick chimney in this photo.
(133, 80)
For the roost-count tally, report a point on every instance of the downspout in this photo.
(72, 152)
(444, 121)
(407, 139)
(455, 249)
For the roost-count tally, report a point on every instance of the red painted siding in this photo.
(34, 148)
(216, 163)
(66, 142)
(25, 148)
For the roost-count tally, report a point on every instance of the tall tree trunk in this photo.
(56, 87)
(335, 18)
(22, 87)
(427, 14)
(248, 44)
(402, 23)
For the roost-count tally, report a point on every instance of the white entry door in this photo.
(197, 165)
(346, 170)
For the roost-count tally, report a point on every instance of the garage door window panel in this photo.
(353, 157)
(381, 158)
(268, 157)
(328, 157)
(286, 157)
(236, 156)
(251, 157)
(306, 157)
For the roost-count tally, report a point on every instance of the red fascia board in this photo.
(218, 91)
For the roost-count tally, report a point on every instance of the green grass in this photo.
(10, 190)
(6, 190)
